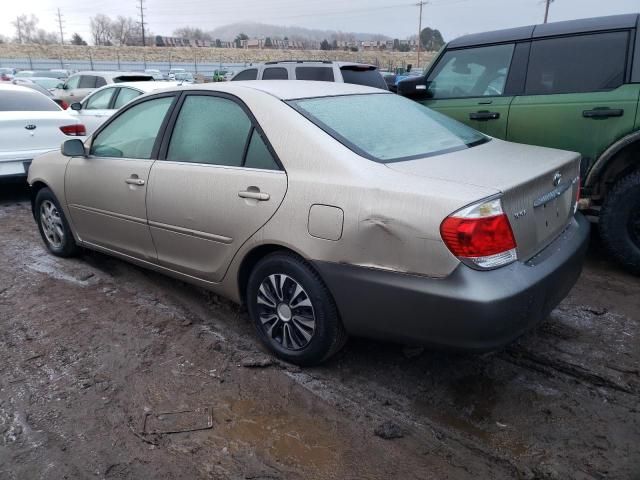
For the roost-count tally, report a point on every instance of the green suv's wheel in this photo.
(293, 311)
(53, 225)
(620, 222)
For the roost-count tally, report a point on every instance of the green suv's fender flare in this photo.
(603, 161)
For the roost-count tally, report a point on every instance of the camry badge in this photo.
(31, 126)
(557, 178)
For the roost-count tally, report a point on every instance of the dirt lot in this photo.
(93, 350)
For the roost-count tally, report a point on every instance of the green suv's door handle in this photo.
(603, 112)
(484, 115)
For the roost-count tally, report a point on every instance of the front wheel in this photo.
(293, 311)
(619, 223)
(53, 225)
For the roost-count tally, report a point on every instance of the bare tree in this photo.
(192, 33)
(42, 37)
(25, 28)
(101, 31)
(124, 30)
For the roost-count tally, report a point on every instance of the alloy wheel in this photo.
(286, 312)
(51, 224)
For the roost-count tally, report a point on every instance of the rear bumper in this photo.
(469, 309)
(14, 168)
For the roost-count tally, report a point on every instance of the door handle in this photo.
(484, 115)
(134, 181)
(603, 112)
(260, 196)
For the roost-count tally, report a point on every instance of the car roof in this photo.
(311, 62)
(109, 73)
(15, 88)
(149, 86)
(583, 25)
(290, 89)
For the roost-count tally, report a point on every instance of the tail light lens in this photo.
(480, 235)
(64, 105)
(4, 77)
(76, 130)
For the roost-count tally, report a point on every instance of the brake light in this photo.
(480, 235)
(76, 130)
(64, 105)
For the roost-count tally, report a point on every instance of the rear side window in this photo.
(210, 130)
(87, 81)
(471, 72)
(29, 101)
(100, 82)
(251, 74)
(125, 96)
(275, 73)
(321, 74)
(132, 134)
(258, 155)
(585, 63)
(363, 76)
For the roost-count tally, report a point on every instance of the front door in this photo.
(106, 191)
(575, 97)
(469, 85)
(218, 184)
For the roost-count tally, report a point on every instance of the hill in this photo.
(258, 30)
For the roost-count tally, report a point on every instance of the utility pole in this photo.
(420, 4)
(546, 10)
(144, 42)
(60, 26)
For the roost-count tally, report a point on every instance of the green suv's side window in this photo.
(471, 72)
(582, 63)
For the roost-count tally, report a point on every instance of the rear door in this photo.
(575, 96)
(218, 184)
(106, 191)
(469, 84)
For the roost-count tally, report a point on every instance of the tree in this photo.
(324, 45)
(124, 30)
(77, 40)
(334, 44)
(42, 37)
(25, 28)
(396, 44)
(101, 31)
(240, 38)
(268, 43)
(431, 39)
(192, 33)
(404, 47)
(218, 43)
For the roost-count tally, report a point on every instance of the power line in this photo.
(59, 15)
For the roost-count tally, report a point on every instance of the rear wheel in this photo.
(53, 225)
(293, 311)
(620, 222)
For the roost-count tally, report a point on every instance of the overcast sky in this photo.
(394, 18)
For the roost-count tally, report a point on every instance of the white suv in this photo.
(324, 71)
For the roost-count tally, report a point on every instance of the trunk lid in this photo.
(538, 185)
(31, 131)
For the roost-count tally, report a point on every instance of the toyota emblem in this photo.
(557, 178)
(31, 126)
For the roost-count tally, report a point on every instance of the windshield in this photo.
(387, 128)
(47, 82)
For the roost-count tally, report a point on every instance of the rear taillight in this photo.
(64, 104)
(480, 235)
(76, 130)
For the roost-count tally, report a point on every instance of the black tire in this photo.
(67, 246)
(328, 334)
(619, 223)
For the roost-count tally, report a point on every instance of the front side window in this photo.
(275, 73)
(471, 72)
(584, 63)
(132, 134)
(416, 131)
(125, 96)
(73, 82)
(321, 74)
(250, 74)
(211, 130)
(100, 100)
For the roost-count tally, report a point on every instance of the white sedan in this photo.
(30, 124)
(104, 102)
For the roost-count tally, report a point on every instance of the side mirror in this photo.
(73, 148)
(76, 106)
(416, 88)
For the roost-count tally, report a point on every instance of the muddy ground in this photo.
(93, 351)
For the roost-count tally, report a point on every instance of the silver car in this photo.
(81, 84)
(301, 200)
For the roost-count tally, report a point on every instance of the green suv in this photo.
(572, 85)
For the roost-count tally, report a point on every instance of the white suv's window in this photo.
(132, 134)
(471, 72)
(100, 100)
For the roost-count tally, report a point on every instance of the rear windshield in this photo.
(29, 101)
(363, 76)
(387, 128)
(320, 74)
(132, 78)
